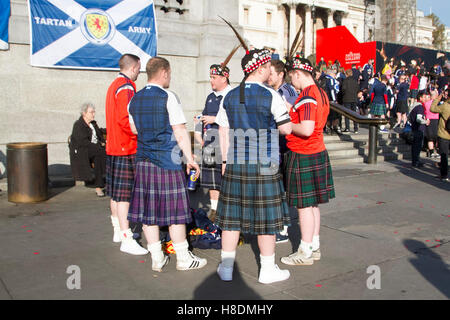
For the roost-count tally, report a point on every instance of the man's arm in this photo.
(123, 99)
(184, 142)
(304, 128)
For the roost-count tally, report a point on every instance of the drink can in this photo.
(192, 183)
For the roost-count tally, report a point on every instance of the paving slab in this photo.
(387, 215)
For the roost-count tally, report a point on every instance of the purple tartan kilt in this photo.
(120, 177)
(159, 197)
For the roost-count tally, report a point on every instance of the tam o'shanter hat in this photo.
(301, 64)
(252, 60)
(222, 69)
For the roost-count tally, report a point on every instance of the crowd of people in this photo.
(392, 94)
(252, 174)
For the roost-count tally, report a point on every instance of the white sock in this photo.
(114, 221)
(181, 250)
(126, 235)
(214, 204)
(228, 258)
(316, 243)
(267, 262)
(156, 251)
(306, 248)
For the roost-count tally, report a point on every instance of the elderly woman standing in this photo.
(87, 146)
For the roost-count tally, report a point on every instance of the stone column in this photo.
(292, 23)
(330, 20)
(308, 32)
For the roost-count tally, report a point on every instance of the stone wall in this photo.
(41, 104)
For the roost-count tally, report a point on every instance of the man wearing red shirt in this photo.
(309, 179)
(121, 146)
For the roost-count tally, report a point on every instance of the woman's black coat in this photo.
(80, 140)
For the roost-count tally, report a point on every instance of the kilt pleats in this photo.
(251, 202)
(309, 179)
(159, 197)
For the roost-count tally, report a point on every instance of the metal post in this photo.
(373, 131)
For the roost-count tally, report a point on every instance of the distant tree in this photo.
(439, 37)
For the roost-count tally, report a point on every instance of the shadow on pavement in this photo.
(430, 265)
(428, 173)
(215, 289)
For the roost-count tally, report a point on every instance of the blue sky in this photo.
(441, 8)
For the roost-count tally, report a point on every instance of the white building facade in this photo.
(274, 23)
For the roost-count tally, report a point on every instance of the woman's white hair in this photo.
(85, 106)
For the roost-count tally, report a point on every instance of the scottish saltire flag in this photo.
(88, 34)
(5, 10)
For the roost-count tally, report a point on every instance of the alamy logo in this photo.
(248, 146)
(74, 280)
(374, 281)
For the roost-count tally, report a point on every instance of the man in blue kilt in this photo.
(252, 196)
(160, 196)
(207, 134)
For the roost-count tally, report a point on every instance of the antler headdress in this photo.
(252, 60)
(222, 69)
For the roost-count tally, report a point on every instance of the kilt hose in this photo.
(251, 202)
(309, 179)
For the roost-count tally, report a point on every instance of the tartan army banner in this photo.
(88, 34)
(5, 10)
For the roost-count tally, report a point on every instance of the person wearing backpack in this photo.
(443, 133)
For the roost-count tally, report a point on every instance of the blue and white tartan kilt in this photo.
(251, 202)
(211, 177)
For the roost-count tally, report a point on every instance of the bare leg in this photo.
(266, 244)
(177, 233)
(230, 240)
(316, 212)
(122, 213)
(151, 233)
(307, 223)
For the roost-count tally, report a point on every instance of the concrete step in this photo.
(340, 160)
(344, 152)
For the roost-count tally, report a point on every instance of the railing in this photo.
(356, 117)
(373, 127)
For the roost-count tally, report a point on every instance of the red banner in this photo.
(339, 44)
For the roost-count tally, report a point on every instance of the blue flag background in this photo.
(5, 11)
(87, 34)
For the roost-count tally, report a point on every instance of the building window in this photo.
(355, 30)
(245, 15)
(268, 19)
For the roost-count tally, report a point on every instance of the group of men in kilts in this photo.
(146, 169)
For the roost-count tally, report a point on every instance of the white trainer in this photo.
(158, 265)
(298, 259)
(316, 255)
(225, 273)
(132, 247)
(191, 262)
(271, 275)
